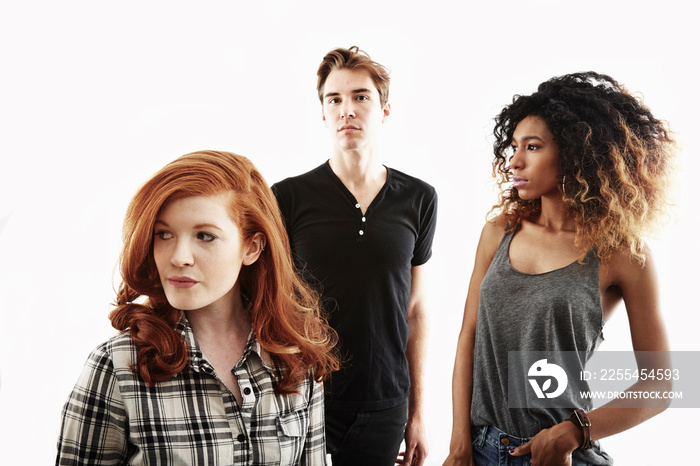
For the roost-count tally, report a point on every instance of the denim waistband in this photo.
(496, 437)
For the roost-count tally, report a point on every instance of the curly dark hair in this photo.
(614, 162)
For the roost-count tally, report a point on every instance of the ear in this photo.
(256, 246)
(387, 111)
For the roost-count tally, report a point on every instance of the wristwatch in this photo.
(580, 420)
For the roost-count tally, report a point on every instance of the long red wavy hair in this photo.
(285, 312)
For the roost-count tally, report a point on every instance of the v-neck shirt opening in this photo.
(351, 197)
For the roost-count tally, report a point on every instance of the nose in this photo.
(516, 160)
(182, 255)
(347, 110)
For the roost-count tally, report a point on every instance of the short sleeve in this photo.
(427, 222)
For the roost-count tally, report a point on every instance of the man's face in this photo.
(351, 109)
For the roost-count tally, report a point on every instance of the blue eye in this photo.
(206, 237)
(162, 234)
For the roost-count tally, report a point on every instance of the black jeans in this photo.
(368, 438)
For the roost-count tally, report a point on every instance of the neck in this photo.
(357, 168)
(220, 320)
(555, 216)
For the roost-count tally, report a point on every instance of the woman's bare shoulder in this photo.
(624, 267)
(495, 228)
(491, 235)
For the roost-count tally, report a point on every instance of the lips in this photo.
(182, 282)
(348, 128)
(517, 181)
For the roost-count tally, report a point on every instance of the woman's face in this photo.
(199, 253)
(535, 161)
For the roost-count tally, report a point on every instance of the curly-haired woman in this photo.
(584, 168)
(222, 347)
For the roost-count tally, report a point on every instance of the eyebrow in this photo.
(527, 138)
(198, 226)
(354, 91)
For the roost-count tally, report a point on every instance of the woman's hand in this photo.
(553, 446)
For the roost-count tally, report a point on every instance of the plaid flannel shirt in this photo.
(114, 417)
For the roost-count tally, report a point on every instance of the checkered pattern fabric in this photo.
(113, 417)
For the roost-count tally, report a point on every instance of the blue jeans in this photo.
(367, 438)
(491, 446)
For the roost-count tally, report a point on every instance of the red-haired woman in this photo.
(222, 348)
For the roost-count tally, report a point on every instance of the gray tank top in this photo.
(554, 311)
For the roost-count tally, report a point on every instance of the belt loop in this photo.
(481, 437)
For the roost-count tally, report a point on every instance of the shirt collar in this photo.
(252, 349)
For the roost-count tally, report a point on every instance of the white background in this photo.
(96, 96)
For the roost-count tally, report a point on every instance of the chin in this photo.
(522, 194)
(347, 147)
(185, 304)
